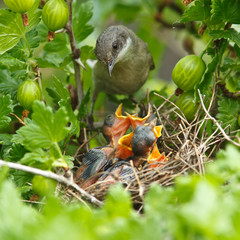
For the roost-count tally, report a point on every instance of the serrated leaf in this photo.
(87, 52)
(5, 139)
(198, 10)
(11, 29)
(16, 152)
(82, 13)
(75, 124)
(231, 34)
(9, 62)
(38, 157)
(59, 44)
(8, 84)
(46, 127)
(226, 11)
(33, 38)
(5, 109)
(48, 63)
(228, 112)
(34, 16)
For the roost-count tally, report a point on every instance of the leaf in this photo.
(16, 152)
(59, 44)
(46, 128)
(208, 77)
(198, 10)
(9, 62)
(231, 34)
(8, 84)
(5, 109)
(11, 30)
(75, 124)
(226, 11)
(127, 12)
(83, 107)
(61, 96)
(34, 16)
(33, 38)
(228, 112)
(82, 13)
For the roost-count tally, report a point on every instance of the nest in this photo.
(187, 147)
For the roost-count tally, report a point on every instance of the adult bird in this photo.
(124, 62)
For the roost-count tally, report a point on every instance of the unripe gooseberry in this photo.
(43, 186)
(55, 14)
(187, 105)
(188, 72)
(19, 6)
(28, 91)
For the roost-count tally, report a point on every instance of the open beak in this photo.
(110, 67)
(117, 127)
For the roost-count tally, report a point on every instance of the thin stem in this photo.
(58, 178)
(75, 55)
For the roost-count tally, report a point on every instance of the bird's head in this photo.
(112, 46)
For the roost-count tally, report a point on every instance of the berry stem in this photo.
(25, 19)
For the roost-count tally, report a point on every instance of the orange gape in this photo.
(138, 146)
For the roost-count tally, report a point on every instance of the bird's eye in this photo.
(115, 46)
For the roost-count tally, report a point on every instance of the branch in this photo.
(216, 122)
(54, 176)
(76, 52)
(227, 93)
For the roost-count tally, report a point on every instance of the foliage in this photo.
(197, 207)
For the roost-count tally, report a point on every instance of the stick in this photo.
(216, 122)
(54, 176)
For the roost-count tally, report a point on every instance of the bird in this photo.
(123, 65)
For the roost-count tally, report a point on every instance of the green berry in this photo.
(188, 72)
(19, 6)
(187, 105)
(28, 91)
(43, 186)
(55, 14)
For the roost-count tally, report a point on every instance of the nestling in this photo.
(124, 62)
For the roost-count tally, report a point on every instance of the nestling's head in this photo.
(112, 45)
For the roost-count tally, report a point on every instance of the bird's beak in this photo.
(110, 67)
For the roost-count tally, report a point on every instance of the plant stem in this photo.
(75, 55)
(58, 178)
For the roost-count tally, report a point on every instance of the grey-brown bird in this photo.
(124, 62)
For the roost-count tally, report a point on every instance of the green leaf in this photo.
(118, 197)
(11, 30)
(33, 38)
(226, 11)
(83, 107)
(8, 84)
(127, 12)
(231, 34)
(198, 10)
(75, 124)
(38, 158)
(82, 13)
(228, 112)
(9, 62)
(34, 16)
(16, 152)
(46, 127)
(204, 85)
(61, 96)
(5, 109)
